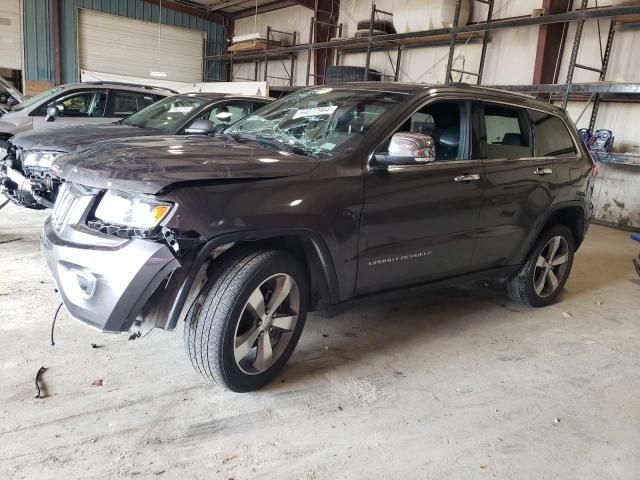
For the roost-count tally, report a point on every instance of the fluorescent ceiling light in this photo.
(158, 74)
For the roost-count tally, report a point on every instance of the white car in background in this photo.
(76, 103)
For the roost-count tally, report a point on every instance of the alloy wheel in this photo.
(551, 266)
(266, 324)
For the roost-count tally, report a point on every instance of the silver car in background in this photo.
(76, 103)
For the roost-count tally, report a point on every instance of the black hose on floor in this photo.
(38, 377)
(53, 325)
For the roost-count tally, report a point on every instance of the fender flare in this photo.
(554, 208)
(204, 254)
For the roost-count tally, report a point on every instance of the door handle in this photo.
(467, 178)
(542, 171)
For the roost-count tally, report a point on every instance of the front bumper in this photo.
(105, 283)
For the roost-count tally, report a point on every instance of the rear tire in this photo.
(545, 271)
(246, 323)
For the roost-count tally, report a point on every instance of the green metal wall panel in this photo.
(38, 41)
(40, 63)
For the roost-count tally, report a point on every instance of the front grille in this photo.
(63, 207)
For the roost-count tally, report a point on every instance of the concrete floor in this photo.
(454, 385)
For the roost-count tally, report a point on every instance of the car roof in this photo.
(486, 93)
(214, 97)
(134, 87)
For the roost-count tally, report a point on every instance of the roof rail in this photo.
(127, 84)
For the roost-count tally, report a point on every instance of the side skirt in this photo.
(494, 277)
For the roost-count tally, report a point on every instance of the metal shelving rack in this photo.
(452, 44)
(457, 34)
(257, 56)
(391, 39)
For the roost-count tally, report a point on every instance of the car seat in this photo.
(448, 143)
(514, 139)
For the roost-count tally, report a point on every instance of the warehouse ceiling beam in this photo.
(225, 4)
(194, 12)
(264, 8)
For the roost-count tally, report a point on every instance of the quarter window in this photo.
(126, 103)
(506, 133)
(552, 138)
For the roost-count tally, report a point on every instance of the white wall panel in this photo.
(10, 36)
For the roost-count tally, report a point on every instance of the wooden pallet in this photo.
(252, 46)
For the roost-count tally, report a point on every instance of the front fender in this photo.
(188, 278)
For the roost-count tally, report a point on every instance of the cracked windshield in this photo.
(316, 122)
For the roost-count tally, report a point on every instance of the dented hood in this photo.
(151, 164)
(69, 138)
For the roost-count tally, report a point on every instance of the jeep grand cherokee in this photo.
(326, 195)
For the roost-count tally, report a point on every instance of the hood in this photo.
(149, 165)
(69, 138)
(9, 95)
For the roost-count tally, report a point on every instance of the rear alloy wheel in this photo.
(546, 270)
(248, 320)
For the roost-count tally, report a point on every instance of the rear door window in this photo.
(552, 138)
(506, 132)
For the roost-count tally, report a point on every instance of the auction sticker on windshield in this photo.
(312, 112)
(180, 109)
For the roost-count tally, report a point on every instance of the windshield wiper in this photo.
(281, 145)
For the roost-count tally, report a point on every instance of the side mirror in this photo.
(201, 127)
(408, 149)
(52, 113)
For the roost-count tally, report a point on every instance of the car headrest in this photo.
(450, 137)
(512, 139)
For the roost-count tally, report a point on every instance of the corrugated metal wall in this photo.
(38, 41)
(39, 36)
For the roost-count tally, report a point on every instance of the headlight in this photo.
(132, 211)
(40, 159)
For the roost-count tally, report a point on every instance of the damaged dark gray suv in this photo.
(326, 195)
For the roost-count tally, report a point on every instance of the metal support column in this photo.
(574, 55)
(485, 40)
(310, 48)
(452, 42)
(396, 73)
(372, 20)
(603, 73)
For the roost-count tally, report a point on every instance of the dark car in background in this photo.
(26, 176)
(326, 195)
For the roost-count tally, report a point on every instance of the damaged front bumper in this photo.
(37, 190)
(105, 281)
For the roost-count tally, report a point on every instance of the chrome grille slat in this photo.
(62, 208)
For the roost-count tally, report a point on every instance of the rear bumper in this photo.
(106, 284)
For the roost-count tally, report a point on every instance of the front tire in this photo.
(248, 319)
(546, 269)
